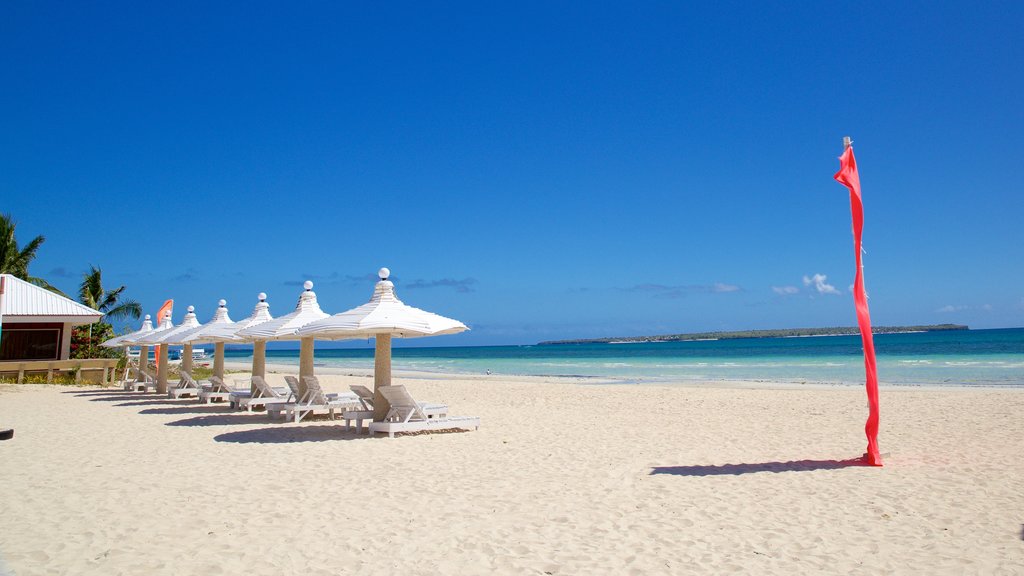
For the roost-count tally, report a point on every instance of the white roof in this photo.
(25, 302)
(147, 327)
(172, 334)
(383, 314)
(226, 332)
(284, 327)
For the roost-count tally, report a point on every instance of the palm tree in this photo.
(14, 260)
(92, 294)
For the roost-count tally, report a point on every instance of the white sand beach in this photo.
(561, 478)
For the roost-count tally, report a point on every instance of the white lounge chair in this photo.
(431, 410)
(241, 389)
(406, 415)
(187, 386)
(218, 390)
(143, 382)
(127, 382)
(366, 409)
(313, 400)
(265, 395)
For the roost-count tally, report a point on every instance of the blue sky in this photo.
(537, 170)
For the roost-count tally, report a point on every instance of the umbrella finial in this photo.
(308, 285)
(191, 309)
(147, 317)
(262, 296)
(221, 302)
(383, 273)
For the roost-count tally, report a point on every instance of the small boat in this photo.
(197, 354)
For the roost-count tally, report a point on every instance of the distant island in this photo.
(783, 333)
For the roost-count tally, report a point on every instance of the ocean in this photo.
(958, 358)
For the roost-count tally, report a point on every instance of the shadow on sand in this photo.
(289, 435)
(153, 401)
(229, 419)
(100, 392)
(192, 409)
(737, 469)
(126, 396)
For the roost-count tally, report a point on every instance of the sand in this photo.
(562, 478)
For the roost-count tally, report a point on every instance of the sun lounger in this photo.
(431, 410)
(143, 382)
(313, 400)
(264, 395)
(179, 389)
(187, 386)
(127, 382)
(242, 389)
(407, 415)
(365, 413)
(218, 390)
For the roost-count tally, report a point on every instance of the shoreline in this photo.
(243, 369)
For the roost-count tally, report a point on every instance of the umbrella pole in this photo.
(381, 375)
(305, 364)
(259, 361)
(186, 359)
(161, 379)
(218, 360)
(143, 362)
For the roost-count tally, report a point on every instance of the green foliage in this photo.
(14, 260)
(86, 340)
(201, 372)
(92, 294)
(61, 378)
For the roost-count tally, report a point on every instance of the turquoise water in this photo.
(962, 357)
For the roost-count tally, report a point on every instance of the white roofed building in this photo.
(35, 324)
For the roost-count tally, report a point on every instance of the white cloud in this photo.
(820, 284)
(680, 291)
(785, 290)
(951, 308)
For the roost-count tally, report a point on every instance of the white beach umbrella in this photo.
(139, 339)
(172, 335)
(165, 337)
(136, 338)
(228, 333)
(124, 340)
(285, 327)
(197, 335)
(383, 317)
(222, 330)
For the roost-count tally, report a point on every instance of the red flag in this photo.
(164, 310)
(848, 176)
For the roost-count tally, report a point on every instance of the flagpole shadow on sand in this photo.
(751, 468)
